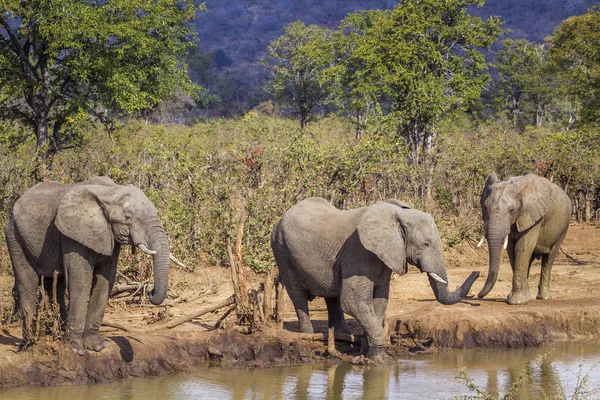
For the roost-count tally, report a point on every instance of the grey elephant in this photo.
(347, 257)
(531, 216)
(78, 230)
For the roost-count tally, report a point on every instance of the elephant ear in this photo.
(380, 232)
(487, 187)
(81, 216)
(533, 207)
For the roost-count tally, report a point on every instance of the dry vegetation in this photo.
(209, 178)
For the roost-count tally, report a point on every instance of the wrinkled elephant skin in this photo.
(347, 257)
(531, 215)
(78, 230)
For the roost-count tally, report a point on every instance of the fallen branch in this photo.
(573, 258)
(127, 279)
(176, 322)
(121, 288)
(222, 318)
(206, 290)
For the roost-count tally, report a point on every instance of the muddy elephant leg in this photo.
(300, 300)
(80, 275)
(521, 262)
(102, 283)
(546, 273)
(60, 296)
(381, 295)
(61, 287)
(357, 300)
(335, 323)
(26, 282)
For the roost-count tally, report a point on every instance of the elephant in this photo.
(348, 256)
(531, 215)
(78, 230)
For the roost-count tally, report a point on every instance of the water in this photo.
(559, 371)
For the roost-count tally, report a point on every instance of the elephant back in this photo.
(33, 215)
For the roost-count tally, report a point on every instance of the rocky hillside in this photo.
(240, 30)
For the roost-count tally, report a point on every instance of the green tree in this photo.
(221, 59)
(427, 52)
(525, 85)
(575, 55)
(294, 61)
(355, 81)
(61, 59)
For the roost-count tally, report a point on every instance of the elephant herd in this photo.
(75, 232)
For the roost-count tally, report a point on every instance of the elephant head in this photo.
(518, 202)
(97, 216)
(398, 235)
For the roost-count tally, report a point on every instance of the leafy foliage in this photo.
(61, 59)
(575, 53)
(204, 178)
(525, 86)
(294, 61)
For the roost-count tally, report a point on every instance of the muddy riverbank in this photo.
(417, 323)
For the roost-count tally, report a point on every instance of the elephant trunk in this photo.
(495, 240)
(444, 296)
(157, 241)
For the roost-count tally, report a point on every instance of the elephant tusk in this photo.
(146, 250)
(505, 242)
(481, 241)
(437, 277)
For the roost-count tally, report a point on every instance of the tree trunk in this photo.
(45, 151)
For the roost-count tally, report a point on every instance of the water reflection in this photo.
(414, 377)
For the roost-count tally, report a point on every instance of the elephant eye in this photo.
(426, 244)
(128, 217)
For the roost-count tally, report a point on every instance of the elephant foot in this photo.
(75, 343)
(518, 298)
(94, 342)
(306, 328)
(378, 359)
(544, 295)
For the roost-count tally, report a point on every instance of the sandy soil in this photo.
(416, 321)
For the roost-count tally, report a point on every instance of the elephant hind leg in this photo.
(298, 295)
(26, 283)
(300, 300)
(546, 273)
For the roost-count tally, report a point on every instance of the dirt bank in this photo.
(51, 363)
(416, 321)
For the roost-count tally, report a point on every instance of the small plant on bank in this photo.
(581, 391)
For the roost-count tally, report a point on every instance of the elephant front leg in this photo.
(357, 300)
(103, 281)
(521, 258)
(79, 274)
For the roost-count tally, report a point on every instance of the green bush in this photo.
(207, 178)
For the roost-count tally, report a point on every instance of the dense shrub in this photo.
(204, 179)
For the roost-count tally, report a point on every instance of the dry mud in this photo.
(416, 321)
